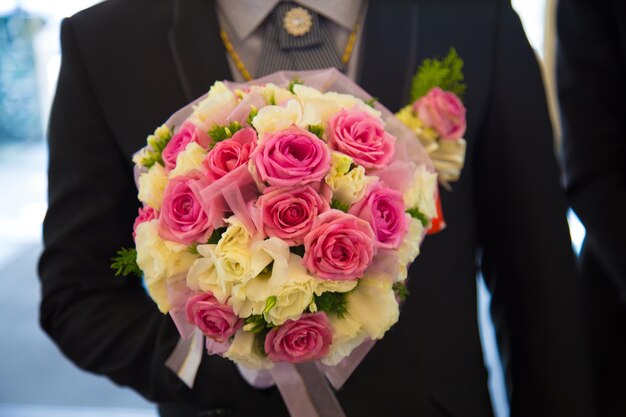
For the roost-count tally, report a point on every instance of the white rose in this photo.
(245, 350)
(161, 261)
(188, 160)
(328, 285)
(410, 247)
(152, 185)
(272, 93)
(236, 234)
(373, 305)
(348, 185)
(233, 264)
(216, 106)
(421, 192)
(351, 187)
(159, 258)
(293, 297)
(286, 280)
(277, 118)
(347, 336)
(330, 103)
(202, 275)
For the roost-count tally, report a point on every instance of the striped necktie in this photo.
(283, 51)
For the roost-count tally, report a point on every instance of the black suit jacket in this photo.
(127, 65)
(592, 91)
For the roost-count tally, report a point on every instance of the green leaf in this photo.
(125, 263)
(297, 250)
(270, 303)
(401, 291)
(193, 249)
(219, 133)
(216, 236)
(417, 214)
(294, 82)
(332, 303)
(253, 112)
(255, 324)
(446, 74)
(157, 142)
(372, 101)
(317, 130)
(336, 204)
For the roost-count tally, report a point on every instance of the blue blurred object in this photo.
(20, 114)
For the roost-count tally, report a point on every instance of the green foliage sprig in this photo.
(295, 81)
(125, 263)
(336, 204)
(417, 214)
(158, 141)
(216, 236)
(317, 130)
(446, 74)
(332, 303)
(219, 133)
(401, 291)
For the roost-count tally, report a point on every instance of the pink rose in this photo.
(292, 156)
(288, 213)
(442, 111)
(361, 136)
(305, 339)
(230, 154)
(339, 246)
(217, 321)
(146, 214)
(182, 218)
(187, 134)
(383, 209)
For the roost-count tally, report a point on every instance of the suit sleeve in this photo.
(105, 324)
(527, 260)
(592, 93)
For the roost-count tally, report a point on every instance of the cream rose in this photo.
(152, 185)
(275, 273)
(161, 261)
(347, 336)
(188, 160)
(215, 107)
(374, 295)
(421, 192)
(236, 234)
(348, 185)
(246, 352)
(277, 118)
(272, 93)
(409, 248)
(158, 258)
(202, 275)
(327, 104)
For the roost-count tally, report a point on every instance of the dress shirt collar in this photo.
(245, 16)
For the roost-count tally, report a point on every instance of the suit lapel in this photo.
(198, 53)
(390, 51)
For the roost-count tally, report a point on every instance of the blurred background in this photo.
(35, 379)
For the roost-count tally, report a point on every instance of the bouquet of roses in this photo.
(279, 218)
(437, 115)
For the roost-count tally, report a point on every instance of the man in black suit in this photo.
(128, 65)
(592, 91)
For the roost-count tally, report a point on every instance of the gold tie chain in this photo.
(345, 57)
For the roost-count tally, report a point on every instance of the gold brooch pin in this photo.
(297, 21)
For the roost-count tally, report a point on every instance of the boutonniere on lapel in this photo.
(437, 115)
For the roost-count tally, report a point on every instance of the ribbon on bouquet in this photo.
(306, 388)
